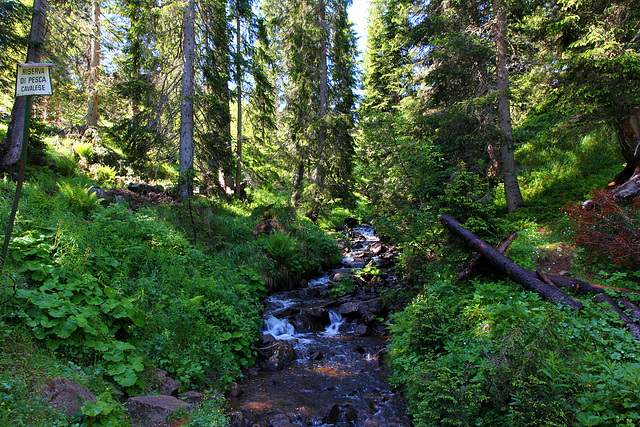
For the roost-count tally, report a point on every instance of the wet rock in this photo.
(349, 309)
(332, 415)
(281, 420)
(339, 276)
(319, 314)
(375, 306)
(301, 415)
(350, 222)
(237, 419)
(156, 408)
(377, 248)
(163, 384)
(313, 292)
(268, 339)
(350, 414)
(272, 364)
(283, 312)
(381, 420)
(363, 331)
(235, 390)
(316, 355)
(279, 354)
(67, 396)
(272, 305)
(304, 324)
(376, 281)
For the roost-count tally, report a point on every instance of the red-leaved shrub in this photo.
(608, 229)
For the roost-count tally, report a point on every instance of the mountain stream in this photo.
(323, 355)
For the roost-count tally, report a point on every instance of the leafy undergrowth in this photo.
(489, 353)
(104, 294)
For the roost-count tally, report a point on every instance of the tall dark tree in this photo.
(447, 84)
(94, 64)
(342, 104)
(12, 41)
(186, 104)
(508, 163)
(145, 81)
(213, 130)
(303, 38)
(13, 143)
(593, 55)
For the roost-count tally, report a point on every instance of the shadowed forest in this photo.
(198, 156)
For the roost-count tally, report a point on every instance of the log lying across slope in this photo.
(582, 287)
(514, 271)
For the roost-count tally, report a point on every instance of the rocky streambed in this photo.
(322, 356)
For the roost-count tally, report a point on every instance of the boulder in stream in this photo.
(279, 354)
(304, 324)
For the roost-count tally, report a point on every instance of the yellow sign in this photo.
(33, 79)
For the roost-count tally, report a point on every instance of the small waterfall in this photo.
(329, 362)
(336, 320)
(280, 328)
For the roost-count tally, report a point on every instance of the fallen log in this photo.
(471, 266)
(633, 328)
(582, 287)
(634, 310)
(513, 270)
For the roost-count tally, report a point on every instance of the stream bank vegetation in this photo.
(503, 115)
(485, 351)
(103, 291)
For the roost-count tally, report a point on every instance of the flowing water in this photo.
(338, 377)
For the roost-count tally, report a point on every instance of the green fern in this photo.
(77, 198)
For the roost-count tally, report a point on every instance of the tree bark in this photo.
(94, 66)
(633, 328)
(239, 87)
(581, 287)
(186, 106)
(627, 182)
(472, 266)
(297, 182)
(633, 309)
(12, 147)
(513, 270)
(508, 162)
(322, 136)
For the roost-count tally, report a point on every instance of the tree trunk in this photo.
(633, 309)
(322, 136)
(627, 182)
(474, 264)
(509, 173)
(94, 67)
(12, 147)
(297, 182)
(581, 287)
(186, 106)
(504, 264)
(239, 87)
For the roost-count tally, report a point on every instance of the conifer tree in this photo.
(94, 65)
(13, 142)
(304, 38)
(186, 104)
